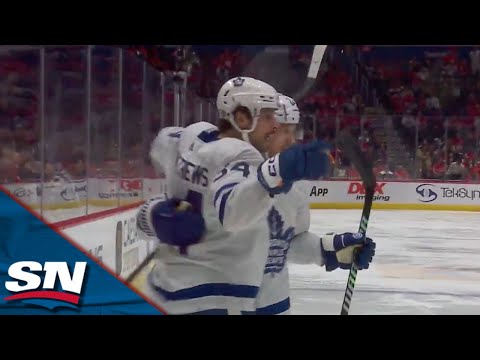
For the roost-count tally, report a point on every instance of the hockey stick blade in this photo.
(350, 147)
(317, 57)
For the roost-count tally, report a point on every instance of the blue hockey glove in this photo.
(176, 223)
(338, 251)
(299, 162)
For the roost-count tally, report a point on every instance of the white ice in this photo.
(427, 262)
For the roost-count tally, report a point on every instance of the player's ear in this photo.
(243, 118)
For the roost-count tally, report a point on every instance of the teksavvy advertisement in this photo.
(448, 193)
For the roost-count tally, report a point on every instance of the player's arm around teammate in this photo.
(330, 250)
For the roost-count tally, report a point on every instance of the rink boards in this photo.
(396, 195)
(111, 237)
(108, 192)
(332, 194)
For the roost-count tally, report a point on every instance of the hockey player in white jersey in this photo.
(225, 178)
(289, 222)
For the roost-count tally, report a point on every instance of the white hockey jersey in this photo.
(221, 274)
(288, 222)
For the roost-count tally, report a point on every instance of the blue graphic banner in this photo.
(42, 273)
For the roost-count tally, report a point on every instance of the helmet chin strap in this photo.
(245, 137)
(245, 133)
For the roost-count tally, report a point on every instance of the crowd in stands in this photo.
(433, 98)
(434, 102)
(334, 104)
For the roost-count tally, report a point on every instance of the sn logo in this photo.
(28, 285)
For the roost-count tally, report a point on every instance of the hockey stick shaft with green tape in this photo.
(352, 150)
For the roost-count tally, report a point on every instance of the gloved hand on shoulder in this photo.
(175, 223)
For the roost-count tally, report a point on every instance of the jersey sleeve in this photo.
(305, 249)
(239, 199)
(164, 148)
(305, 246)
(164, 152)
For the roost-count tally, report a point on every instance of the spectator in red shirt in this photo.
(352, 173)
(475, 171)
(439, 168)
(401, 173)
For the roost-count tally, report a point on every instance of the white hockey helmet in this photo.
(251, 93)
(288, 113)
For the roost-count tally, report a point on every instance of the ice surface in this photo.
(427, 262)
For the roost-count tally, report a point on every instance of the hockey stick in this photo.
(273, 66)
(140, 267)
(317, 57)
(352, 150)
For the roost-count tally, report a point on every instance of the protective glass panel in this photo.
(89, 114)
(475, 164)
(105, 125)
(65, 184)
(154, 113)
(21, 158)
(131, 130)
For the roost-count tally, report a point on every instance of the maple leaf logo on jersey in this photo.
(279, 242)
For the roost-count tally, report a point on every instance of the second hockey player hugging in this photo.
(233, 213)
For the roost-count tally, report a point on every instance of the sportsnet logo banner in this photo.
(42, 273)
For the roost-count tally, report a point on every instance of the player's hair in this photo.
(224, 125)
